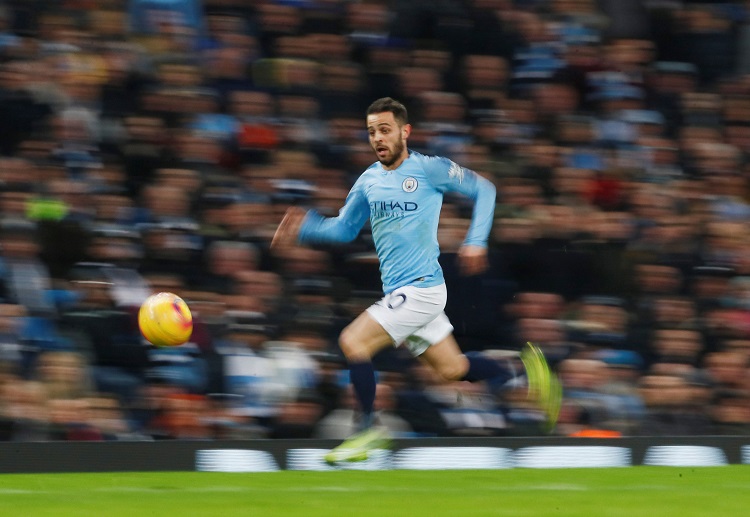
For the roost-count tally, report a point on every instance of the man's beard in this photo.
(398, 149)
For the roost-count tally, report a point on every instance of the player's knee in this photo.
(455, 370)
(352, 347)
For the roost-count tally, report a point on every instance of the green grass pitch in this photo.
(636, 491)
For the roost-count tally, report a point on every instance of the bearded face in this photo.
(387, 139)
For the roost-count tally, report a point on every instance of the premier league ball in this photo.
(165, 320)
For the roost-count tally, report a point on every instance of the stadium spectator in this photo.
(671, 406)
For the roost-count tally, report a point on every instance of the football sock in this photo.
(483, 368)
(362, 377)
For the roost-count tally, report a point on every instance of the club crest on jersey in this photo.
(410, 184)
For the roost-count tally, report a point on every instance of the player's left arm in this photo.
(448, 176)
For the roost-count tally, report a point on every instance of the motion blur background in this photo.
(153, 145)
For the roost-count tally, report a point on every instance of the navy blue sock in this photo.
(362, 377)
(483, 368)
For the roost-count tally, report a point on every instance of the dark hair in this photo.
(388, 104)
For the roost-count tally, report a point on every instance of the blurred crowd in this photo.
(153, 145)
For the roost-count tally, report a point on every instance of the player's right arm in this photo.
(316, 229)
(288, 230)
(313, 228)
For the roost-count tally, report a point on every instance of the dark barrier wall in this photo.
(183, 455)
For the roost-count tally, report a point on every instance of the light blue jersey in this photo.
(403, 206)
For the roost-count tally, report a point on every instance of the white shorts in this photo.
(414, 316)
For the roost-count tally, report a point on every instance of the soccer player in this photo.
(401, 195)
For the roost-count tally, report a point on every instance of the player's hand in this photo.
(286, 233)
(472, 260)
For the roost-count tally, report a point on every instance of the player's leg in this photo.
(360, 341)
(446, 358)
(389, 321)
(386, 323)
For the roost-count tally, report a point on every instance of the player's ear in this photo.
(405, 131)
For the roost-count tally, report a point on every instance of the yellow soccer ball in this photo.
(165, 320)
